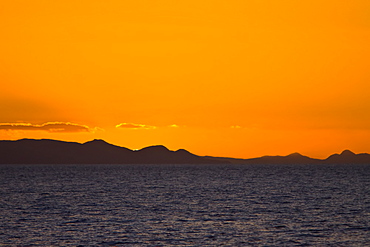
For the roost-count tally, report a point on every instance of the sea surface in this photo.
(185, 205)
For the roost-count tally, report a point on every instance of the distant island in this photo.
(44, 151)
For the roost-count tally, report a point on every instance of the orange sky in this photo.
(225, 78)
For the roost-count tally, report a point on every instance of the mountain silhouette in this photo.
(348, 157)
(44, 151)
(294, 158)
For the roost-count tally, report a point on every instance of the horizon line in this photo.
(211, 156)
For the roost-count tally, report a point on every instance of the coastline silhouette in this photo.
(45, 151)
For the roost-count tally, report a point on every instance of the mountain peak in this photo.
(96, 141)
(182, 151)
(347, 153)
(156, 148)
(295, 155)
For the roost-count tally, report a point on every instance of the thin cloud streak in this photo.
(51, 127)
(135, 126)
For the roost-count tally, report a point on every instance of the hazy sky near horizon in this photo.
(223, 78)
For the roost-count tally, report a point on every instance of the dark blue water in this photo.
(185, 205)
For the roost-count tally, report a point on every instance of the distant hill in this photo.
(346, 157)
(44, 151)
(294, 158)
(29, 151)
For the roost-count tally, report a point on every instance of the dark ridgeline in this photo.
(29, 151)
(294, 158)
(346, 157)
(349, 157)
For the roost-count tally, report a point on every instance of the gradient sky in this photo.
(225, 78)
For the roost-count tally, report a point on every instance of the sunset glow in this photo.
(221, 78)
